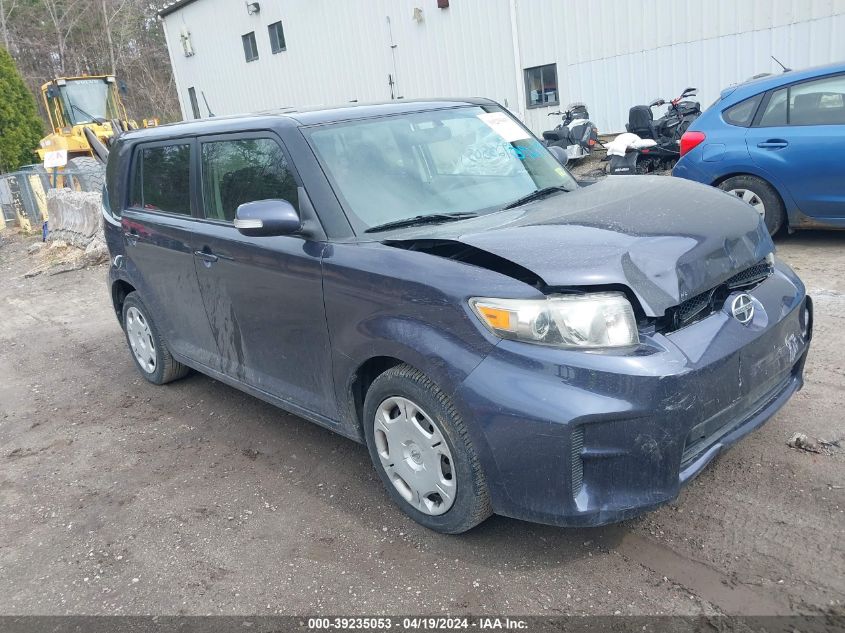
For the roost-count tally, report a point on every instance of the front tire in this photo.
(760, 195)
(149, 351)
(422, 452)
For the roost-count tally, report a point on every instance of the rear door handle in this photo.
(773, 143)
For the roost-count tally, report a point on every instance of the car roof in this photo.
(762, 84)
(297, 117)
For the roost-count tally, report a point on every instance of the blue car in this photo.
(778, 143)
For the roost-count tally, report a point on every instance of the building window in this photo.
(195, 106)
(277, 37)
(250, 47)
(541, 86)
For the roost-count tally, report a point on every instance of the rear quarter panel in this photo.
(724, 154)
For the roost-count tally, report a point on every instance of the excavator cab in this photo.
(85, 113)
(82, 101)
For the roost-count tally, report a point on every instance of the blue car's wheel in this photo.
(761, 196)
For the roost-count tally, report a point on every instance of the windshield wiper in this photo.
(535, 195)
(419, 220)
(73, 106)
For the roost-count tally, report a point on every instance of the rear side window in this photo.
(742, 114)
(819, 102)
(775, 112)
(161, 179)
(243, 170)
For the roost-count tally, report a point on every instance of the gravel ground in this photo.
(119, 497)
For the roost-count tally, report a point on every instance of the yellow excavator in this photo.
(86, 113)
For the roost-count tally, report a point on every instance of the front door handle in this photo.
(773, 143)
(206, 257)
(131, 237)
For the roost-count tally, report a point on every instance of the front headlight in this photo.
(601, 319)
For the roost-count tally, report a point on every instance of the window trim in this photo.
(250, 37)
(136, 152)
(270, 30)
(237, 136)
(764, 104)
(546, 104)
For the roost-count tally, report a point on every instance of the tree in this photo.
(20, 126)
(55, 38)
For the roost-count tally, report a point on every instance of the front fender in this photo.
(384, 301)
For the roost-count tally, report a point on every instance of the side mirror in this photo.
(267, 217)
(559, 153)
(52, 92)
(121, 86)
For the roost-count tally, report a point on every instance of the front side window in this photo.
(277, 37)
(469, 160)
(250, 47)
(742, 114)
(161, 179)
(541, 86)
(243, 170)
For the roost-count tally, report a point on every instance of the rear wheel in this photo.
(761, 196)
(149, 351)
(422, 452)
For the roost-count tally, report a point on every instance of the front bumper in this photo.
(587, 438)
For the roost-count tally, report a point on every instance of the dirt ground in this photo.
(119, 497)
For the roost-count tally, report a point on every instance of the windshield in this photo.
(469, 160)
(88, 99)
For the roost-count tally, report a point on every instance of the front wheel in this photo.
(422, 452)
(761, 196)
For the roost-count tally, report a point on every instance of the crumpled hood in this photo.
(666, 239)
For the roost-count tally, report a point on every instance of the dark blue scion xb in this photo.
(426, 278)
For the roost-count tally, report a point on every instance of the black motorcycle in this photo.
(576, 133)
(666, 132)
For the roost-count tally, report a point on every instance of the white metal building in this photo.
(533, 56)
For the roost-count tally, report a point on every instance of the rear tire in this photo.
(761, 195)
(406, 460)
(148, 349)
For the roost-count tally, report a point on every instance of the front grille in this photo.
(750, 276)
(706, 303)
(576, 461)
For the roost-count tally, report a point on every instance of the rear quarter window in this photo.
(742, 113)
